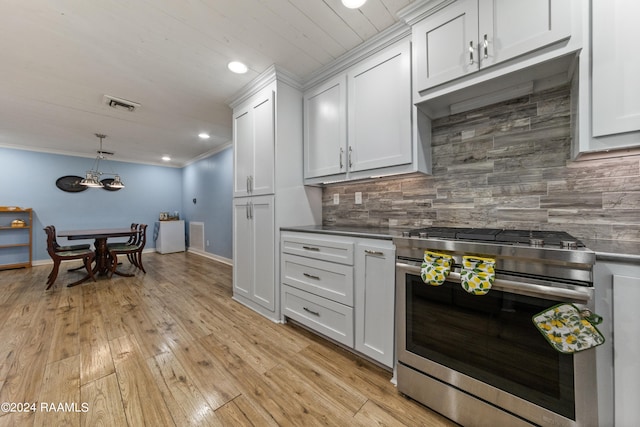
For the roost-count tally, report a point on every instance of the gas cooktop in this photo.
(494, 235)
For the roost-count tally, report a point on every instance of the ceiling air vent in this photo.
(120, 104)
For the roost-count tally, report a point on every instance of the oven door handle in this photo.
(547, 292)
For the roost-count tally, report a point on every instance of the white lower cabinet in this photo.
(375, 297)
(321, 314)
(341, 287)
(254, 231)
(617, 287)
(626, 349)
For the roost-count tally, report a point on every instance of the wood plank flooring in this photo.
(171, 348)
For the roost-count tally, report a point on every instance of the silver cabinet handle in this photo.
(341, 153)
(246, 207)
(310, 248)
(251, 183)
(370, 252)
(251, 210)
(315, 313)
(485, 46)
(311, 276)
(350, 162)
(471, 53)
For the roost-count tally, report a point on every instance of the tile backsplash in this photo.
(505, 166)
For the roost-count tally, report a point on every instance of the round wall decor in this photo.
(70, 184)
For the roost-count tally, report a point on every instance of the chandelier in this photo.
(92, 178)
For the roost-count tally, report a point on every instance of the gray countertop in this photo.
(364, 232)
(606, 250)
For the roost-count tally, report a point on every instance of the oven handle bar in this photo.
(577, 295)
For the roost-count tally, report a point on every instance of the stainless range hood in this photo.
(443, 100)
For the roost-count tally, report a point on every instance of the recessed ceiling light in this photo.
(353, 4)
(237, 67)
(166, 158)
(204, 135)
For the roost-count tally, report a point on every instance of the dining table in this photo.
(100, 236)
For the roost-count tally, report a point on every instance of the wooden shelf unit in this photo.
(9, 242)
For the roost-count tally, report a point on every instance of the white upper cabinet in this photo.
(358, 124)
(325, 128)
(379, 111)
(444, 44)
(469, 35)
(254, 146)
(616, 67)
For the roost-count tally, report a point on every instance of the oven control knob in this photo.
(569, 244)
(536, 242)
(422, 234)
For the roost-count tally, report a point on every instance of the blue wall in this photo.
(209, 181)
(27, 179)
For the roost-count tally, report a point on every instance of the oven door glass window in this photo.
(490, 338)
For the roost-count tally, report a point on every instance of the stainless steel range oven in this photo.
(478, 359)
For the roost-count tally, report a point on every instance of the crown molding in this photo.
(272, 74)
(419, 10)
(382, 40)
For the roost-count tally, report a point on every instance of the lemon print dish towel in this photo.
(435, 267)
(567, 330)
(477, 274)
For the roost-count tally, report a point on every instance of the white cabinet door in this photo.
(263, 177)
(514, 27)
(444, 44)
(472, 34)
(263, 219)
(375, 299)
(626, 349)
(242, 151)
(325, 129)
(242, 248)
(253, 250)
(379, 110)
(254, 146)
(616, 67)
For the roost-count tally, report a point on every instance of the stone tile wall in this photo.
(504, 166)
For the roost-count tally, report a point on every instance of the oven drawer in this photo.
(329, 249)
(322, 278)
(320, 314)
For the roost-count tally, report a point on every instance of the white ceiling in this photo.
(58, 58)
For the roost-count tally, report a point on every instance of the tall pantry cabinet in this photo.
(268, 185)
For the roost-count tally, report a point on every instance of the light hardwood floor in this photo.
(171, 348)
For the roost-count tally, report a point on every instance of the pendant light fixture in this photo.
(353, 4)
(92, 177)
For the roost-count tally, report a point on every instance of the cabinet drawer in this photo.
(322, 278)
(322, 249)
(320, 314)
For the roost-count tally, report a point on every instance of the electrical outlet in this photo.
(336, 199)
(358, 198)
(207, 243)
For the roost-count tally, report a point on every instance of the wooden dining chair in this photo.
(85, 254)
(66, 248)
(132, 250)
(132, 241)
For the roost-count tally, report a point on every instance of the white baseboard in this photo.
(211, 256)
